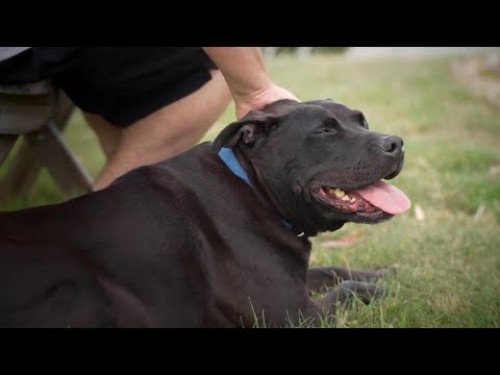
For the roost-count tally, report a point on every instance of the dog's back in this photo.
(165, 245)
(97, 260)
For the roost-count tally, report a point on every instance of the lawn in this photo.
(447, 248)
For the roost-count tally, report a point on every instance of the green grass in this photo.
(449, 263)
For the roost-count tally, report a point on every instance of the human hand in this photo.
(257, 100)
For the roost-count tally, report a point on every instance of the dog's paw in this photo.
(381, 273)
(365, 291)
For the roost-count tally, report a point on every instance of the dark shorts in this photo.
(122, 84)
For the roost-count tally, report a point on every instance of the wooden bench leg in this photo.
(44, 148)
(53, 153)
(21, 175)
(6, 144)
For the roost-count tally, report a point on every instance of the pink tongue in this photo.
(386, 197)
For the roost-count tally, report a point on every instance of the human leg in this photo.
(162, 134)
(145, 104)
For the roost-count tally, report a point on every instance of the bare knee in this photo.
(107, 134)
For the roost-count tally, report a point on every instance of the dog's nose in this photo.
(391, 144)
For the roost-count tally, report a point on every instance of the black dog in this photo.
(211, 238)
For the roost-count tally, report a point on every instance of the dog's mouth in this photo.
(371, 201)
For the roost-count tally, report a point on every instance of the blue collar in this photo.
(229, 158)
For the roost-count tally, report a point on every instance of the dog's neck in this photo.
(242, 167)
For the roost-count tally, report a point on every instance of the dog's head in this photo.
(319, 163)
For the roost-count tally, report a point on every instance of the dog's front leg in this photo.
(344, 292)
(326, 277)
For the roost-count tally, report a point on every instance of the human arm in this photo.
(245, 74)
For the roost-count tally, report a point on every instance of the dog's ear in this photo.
(247, 130)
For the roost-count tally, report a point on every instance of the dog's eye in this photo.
(325, 130)
(273, 126)
(328, 126)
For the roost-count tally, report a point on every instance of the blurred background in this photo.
(445, 103)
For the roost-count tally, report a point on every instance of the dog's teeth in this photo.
(337, 192)
(346, 198)
(353, 200)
